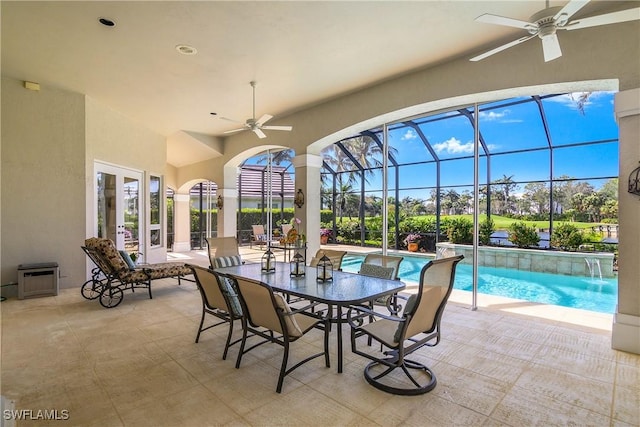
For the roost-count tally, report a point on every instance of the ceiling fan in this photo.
(546, 22)
(256, 126)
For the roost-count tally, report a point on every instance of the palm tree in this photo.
(506, 185)
(278, 157)
(366, 152)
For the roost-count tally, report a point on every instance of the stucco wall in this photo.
(43, 180)
(629, 212)
(116, 139)
(50, 139)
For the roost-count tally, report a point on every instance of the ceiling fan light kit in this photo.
(548, 21)
(256, 126)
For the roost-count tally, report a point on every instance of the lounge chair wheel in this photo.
(91, 289)
(111, 297)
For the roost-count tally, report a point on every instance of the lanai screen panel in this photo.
(571, 125)
(513, 125)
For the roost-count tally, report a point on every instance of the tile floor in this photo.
(510, 363)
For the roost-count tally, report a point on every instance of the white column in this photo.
(228, 215)
(308, 179)
(182, 221)
(227, 218)
(626, 321)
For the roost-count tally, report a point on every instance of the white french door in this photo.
(119, 206)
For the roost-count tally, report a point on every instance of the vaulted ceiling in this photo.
(300, 53)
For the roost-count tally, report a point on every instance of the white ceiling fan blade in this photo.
(228, 119)
(551, 47)
(264, 118)
(488, 18)
(235, 130)
(501, 48)
(570, 9)
(607, 18)
(277, 127)
(260, 134)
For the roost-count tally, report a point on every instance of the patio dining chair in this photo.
(223, 252)
(334, 256)
(386, 267)
(219, 299)
(267, 315)
(419, 325)
(258, 236)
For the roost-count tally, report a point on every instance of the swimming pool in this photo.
(593, 294)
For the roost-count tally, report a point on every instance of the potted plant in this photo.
(412, 241)
(325, 233)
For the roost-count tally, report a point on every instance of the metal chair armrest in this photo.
(355, 320)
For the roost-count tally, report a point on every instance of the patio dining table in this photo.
(344, 290)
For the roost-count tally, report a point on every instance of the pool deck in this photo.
(589, 320)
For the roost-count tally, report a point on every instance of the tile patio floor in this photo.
(510, 363)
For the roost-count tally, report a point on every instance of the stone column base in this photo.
(625, 335)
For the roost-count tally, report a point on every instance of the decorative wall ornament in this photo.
(634, 181)
(298, 200)
(220, 202)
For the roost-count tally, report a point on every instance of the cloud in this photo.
(493, 115)
(453, 146)
(500, 116)
(409, 135)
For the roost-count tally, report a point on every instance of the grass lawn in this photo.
(503, 222)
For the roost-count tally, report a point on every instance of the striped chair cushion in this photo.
(228, 287)
(226, 261)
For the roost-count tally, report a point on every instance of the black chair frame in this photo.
(396, 356)
(283, 340)
(224, 314)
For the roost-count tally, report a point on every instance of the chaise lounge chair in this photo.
(114, 275)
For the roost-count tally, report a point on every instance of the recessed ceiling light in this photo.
(107, 22)
(186, 50)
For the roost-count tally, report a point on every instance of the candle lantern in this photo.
(297, 265)
(324, 269)
(268, 262)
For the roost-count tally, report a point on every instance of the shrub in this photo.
(523, 235)
(487, 227)
(460, 230)
(566, 236)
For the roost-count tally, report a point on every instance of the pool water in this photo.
(593, 294)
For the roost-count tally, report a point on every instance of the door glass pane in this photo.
(131, 213)
(154, 202)
(107, 220)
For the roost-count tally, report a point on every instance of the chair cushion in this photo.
(226, 261)
(127, 258)
(411, 302)
(108, 250)
(292, 326)
(230, 293)
(377, 271)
